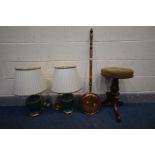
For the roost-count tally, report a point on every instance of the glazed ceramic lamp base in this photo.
(34, 104)
(68, 101)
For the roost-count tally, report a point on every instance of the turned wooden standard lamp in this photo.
(66, 81)
(29, 82)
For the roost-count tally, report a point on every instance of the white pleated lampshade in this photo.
(66, 80)
(29, 81)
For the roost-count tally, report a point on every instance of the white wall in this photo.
(132, 47)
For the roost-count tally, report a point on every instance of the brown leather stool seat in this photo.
(115, 73)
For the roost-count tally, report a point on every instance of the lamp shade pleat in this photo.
(29, 81)
(66, 80)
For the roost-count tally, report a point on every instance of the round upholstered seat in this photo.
(117, 72)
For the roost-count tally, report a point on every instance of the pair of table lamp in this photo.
(29, 82)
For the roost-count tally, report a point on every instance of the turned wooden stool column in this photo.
(112, 97)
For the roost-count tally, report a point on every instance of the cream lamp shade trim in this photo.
(65, 80)
(29, 81)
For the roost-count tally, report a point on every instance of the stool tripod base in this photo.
(107, 103)
(112, 98)
(115, 103)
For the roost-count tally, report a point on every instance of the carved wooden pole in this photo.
(90, 60)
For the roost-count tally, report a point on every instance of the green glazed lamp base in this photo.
(67, 100)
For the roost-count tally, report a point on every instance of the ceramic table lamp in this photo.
(29, 82)
(66, 81)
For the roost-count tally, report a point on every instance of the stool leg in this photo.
(114, 97)
(115, 105)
